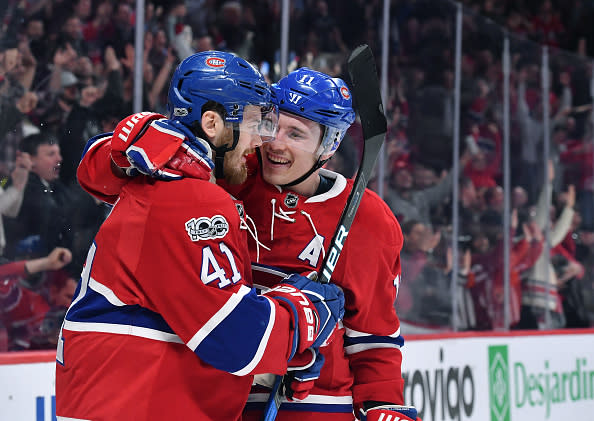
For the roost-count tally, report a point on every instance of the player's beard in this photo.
(235, 169)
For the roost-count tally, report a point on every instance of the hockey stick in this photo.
(368, 101)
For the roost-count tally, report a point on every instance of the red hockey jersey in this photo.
(165, 324)
(293, 232)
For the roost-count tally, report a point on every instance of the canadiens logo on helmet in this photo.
(344, 91)
(205, 228)
(291, 200)
(215, 62)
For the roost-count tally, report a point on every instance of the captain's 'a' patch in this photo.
(205, 228)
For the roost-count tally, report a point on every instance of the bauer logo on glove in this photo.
(316, 308)
(313, 324)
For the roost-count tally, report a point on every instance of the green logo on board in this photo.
(499, 392)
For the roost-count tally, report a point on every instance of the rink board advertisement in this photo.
(458, 377)
(533, 377)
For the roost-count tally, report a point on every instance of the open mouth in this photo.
(277, 160)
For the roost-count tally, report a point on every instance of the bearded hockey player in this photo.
(165, 323)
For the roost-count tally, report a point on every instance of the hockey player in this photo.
(295, 207)
(164, 323)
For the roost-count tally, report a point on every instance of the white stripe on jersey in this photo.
(353, 349)
(106, 292)
(262, 347)
(141, 332)
(69, 419)
(356, 334)
(218, 317)
(269, 270)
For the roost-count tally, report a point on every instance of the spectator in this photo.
(123, 33)
(22, 310)
(11, 199)
(324, 23)
(15, 80)
(179, 35)
(158, 49)
(408, 203)
(425, 300)
(37, 38)
(60, 289)
(571, 273)
(529, 114)
(59, 106)
(487, 266)
(204, 43)
(546, 26)
(71, 33)
(541, 291)
(45, 211)
(519, 197)
(99, 30)
(485, 162)
(82, 10)
(61, 93)
(421, 282)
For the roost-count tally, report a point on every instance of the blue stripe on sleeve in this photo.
(94, 308)
(233, 344)
(373, 339)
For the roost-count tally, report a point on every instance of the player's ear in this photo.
(211, 123)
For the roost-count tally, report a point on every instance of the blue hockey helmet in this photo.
(215, 76)
(320, 98)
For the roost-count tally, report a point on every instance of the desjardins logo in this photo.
(534, 387)
(499, 393)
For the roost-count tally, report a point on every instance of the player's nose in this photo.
(280, 141)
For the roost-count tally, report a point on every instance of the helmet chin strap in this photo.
(314, 168)
(298, 180)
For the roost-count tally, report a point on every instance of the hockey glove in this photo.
(302, 372)
(127, 133)
(390, 412)
(147, 142)
(316, 309)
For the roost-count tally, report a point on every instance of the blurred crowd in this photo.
(67, 74)
(554, 195)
